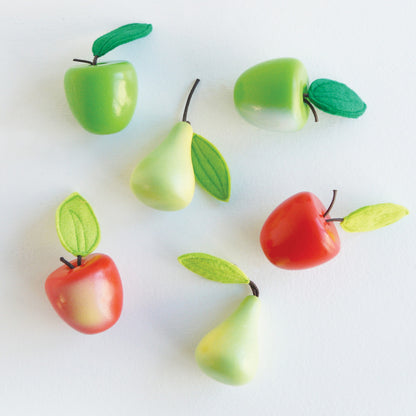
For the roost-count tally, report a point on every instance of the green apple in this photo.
(274, 95)
(103, 96)
(270, 95)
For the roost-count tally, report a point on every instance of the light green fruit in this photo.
(229, 353)
(165, 179)
(270, 95)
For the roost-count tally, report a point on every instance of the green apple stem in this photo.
(79, 260)
(71, 266)
(85, 61)
(309, 104)
(254, 288)
(185, 111)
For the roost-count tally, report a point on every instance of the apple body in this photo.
(270, 95)
(102, 97)
(296, 235)
(89, 297)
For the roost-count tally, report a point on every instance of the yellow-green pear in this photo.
(229, 353)
(165, 179)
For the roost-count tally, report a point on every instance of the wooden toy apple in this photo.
(275, 95)
(300, 234)
(102, 96)
(86, 292)
(229, 353)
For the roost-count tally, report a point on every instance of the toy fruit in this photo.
(102, 96)
(228, 353)
(86, 292)
(299, 233)
(165, 179)
(274, 95)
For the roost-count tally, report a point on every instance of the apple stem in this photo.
(85, 61)
(334, 220)
(79, 260)
(185, 111)
(70, 265)
(309, 104)
(334, 195)
(254, 288)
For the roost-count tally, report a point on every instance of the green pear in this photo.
(229, 353)
(165, 179)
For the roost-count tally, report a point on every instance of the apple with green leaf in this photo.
(86, 292)
(102, 95)
(300, 234)
(276, 95)
(229, 353)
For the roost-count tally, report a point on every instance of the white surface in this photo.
(336, 340)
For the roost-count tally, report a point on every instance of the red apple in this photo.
(89, 296)
(297, 234)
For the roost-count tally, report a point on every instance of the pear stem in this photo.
(334, 195)
(185, 111)
(70, 265)
(254, 288)
(309, 104)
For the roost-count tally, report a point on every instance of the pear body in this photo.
(229, 353)
(165, 178)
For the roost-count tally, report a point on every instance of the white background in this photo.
(335, 340)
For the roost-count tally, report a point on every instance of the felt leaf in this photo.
(373, 216)
(213, 268)
(117, 37)
(77, 225)
(211, 170)
(336, 98)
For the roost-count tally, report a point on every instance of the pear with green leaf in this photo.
(165, 179)
(229, 353)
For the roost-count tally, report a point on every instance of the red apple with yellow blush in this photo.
(86, 292)
(300, 234)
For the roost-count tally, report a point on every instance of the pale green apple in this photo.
(270, 95)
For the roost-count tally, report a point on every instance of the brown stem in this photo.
(309, 104)
(70, 265)
(254, 288)
(334, 219)
(334, 195)
(79, 260)
(185, 111)
(83, 60)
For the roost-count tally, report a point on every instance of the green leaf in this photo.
(373, 216)
(77, 225)
(117, 37)
(336, 98)
(211, 170)
(213, 268)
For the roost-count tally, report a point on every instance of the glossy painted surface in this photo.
(89, 297)
(296, 235)
(165, 179)
(270, 95)
(102, 97)
(229, 353)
